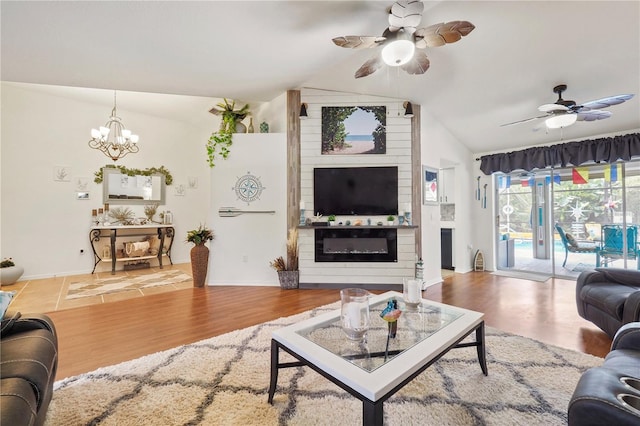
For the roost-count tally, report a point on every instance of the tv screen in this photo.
(355, 190)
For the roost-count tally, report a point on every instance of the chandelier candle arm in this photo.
(113, 139)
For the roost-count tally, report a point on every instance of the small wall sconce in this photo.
(303, 111)
(408, 109)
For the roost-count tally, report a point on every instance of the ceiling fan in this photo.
(564, 113)
(401, 39)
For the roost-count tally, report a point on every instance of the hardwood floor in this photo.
(109, 333)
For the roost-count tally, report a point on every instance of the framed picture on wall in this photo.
(429, 185)
(354, 130)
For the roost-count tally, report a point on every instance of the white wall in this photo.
(441, 149)
(244, 245)
(42, 224)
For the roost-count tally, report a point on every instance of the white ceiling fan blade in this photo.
(593, 115)
(405, 14)
(605, 102)
(552, 107)
(526, 120)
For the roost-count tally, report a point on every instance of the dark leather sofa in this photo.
(610, 394)
(609, 297)
(28, 363)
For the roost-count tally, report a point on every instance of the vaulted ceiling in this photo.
(253, 51)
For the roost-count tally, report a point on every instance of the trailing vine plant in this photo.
(220, 142)
(168, 179)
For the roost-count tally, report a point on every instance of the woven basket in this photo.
(288, 279)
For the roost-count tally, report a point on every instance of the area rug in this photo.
(581, 267)
(224, 381)
(124, 283)
(523, 275)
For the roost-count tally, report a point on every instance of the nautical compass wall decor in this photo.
(248, 188)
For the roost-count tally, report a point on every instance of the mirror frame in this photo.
(430, 174)
(107, 171)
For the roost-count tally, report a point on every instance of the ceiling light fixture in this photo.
(561, 120)
(408, 109)
(113, 139)
(400, 51)
(303, 111)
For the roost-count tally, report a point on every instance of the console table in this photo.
(113, 232)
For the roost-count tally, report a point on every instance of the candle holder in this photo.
(302, 218)
(354, 315)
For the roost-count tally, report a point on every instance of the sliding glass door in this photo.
(563, 221)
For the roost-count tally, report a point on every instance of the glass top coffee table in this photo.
(374, 369)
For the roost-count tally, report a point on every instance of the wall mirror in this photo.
(119, 188)
(429, 185)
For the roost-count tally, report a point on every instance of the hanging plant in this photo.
(168, 179)
(219, 142)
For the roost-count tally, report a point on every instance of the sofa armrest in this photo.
(630, 277)
(26, 322)
(631, 311)
(627, 337)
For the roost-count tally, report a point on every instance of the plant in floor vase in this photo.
(199, 253)
(9, 272)
(288, 273)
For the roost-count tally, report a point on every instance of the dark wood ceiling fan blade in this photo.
(419, 64)
(593, 115)
(442, 33)
(358, 42)
(405, 14)
(604, 102)
(369, 67)
(526, 120)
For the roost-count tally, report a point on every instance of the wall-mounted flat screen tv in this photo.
(355, 190)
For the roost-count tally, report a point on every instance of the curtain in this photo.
(607, 150)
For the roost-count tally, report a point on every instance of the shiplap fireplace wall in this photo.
(398, 153)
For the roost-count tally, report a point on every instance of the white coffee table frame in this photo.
(374, 387)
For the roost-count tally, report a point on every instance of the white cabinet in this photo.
(447, 186)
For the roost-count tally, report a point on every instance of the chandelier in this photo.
(113, 139)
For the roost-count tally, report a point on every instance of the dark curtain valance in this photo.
(607, 150)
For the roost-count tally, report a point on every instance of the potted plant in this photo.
(332, 219)
(199, 253)
(390, 220)
(288, 273)
(9, 272)
(220, 142)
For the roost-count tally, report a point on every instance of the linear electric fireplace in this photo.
(356, 245)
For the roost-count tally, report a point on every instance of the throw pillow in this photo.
(5, 299)
(571, 240)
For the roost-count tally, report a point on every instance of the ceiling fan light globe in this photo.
(561, 120)
(398, 52)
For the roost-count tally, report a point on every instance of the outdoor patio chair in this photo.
(612, 244)
(574, 246)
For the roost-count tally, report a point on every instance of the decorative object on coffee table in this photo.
(199, 253)
(391, 314)
(9, 272)
(288, 273)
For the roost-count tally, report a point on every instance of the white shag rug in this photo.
(224, 381)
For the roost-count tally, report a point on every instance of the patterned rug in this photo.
(580, 267)
(224, 381)
(123, 283)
